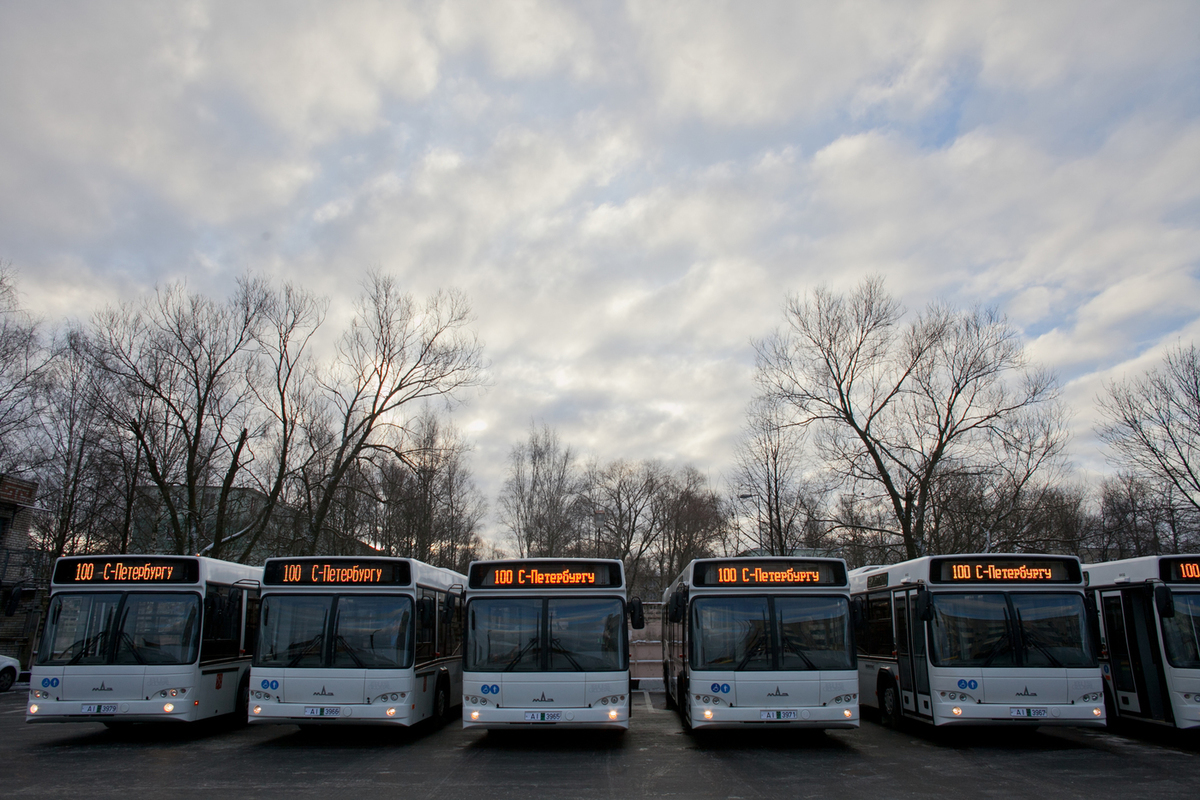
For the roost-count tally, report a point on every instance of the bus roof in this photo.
(974, 569)
(127, 571)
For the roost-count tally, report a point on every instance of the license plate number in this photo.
(322, 711)
(778, 715)
(95, 708)
(543, 716)
(1027, 713)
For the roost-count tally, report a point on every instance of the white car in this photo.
(10, 668)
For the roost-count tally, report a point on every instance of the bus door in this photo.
(911, 654)
(1133, 652)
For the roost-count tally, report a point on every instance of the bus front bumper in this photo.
(1089, 715)
(43, 710)
(708, 717)
(492, 717)
(272, 712)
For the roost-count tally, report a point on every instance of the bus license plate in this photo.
(543, 716)
(322, 711)
(107, 708)
(1035, 713)
(777, 715)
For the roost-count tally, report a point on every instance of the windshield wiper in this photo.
(350, 650)
(1033, 641)
(790, 645)
(755, 645)
(84, 645)
(306, 648)
(133, 648)
(1000, 648)
(555, 643)
(521, 654)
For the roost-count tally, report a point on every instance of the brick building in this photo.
(20, 570)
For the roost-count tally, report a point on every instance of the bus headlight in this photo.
(474, 715)
(847, 713)
(391, 712)
(1096, 712)
(708, 713)
(169, 707)
(258, 709)
(956, 711)
(614, 714)
(33, 709)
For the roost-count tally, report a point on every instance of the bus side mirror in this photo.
(637, 616)
(13, 601)
(675, 606)
(924, 606)
(1164, 600)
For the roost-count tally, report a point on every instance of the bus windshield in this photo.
(562, 634)
(1181, 633)
(744, 634)
(343, 632)
(121, 628)
(1010, 629)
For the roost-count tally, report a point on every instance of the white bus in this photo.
(345, 640)
(145, 639)
(1150, 637)
(978, 640)
(761, 641)
(547, 644)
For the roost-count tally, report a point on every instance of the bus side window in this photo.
(879, 625)
(426, 627)
(222, 623)
(250, 635)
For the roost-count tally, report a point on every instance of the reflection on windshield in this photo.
(1181, 633)
(740, 633)
(121, 628)
(977, 630)
(369, 632)
(580, 635)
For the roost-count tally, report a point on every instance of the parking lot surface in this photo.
(655, 758)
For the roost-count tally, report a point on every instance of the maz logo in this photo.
(101, 688)
(543, 699)
(1026, 693)
(322, 693)
(777, 693)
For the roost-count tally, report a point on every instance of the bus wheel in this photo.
(667, 688)
(889, 704)
(241, 710)
(685, 703)
(441, 702)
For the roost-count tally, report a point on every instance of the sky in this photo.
(627, 192)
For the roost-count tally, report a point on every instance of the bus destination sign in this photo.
(1004, 569)
(774, 572)
(1180, 569)
(545, 575)
(127, 569)
(336, 572)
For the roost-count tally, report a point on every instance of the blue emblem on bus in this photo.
(45, 683)
(266, 684)
(486, 689)
(274, 684)
(492, 689)
(719, 688)
(972, 685)
(962, 684)
(716, 687)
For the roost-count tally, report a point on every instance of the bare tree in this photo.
(620, 496)
(690, 522)
(770, 486)
(897, 404)
(25, 362)
(1152, 425)
(396, 351)
(539, 502)
(179, 364)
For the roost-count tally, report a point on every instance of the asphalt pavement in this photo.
(655, 758)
